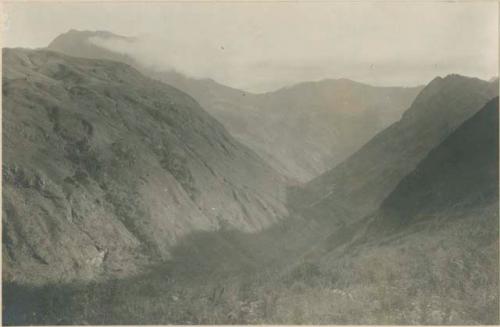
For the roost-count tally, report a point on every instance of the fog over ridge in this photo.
(261, 47)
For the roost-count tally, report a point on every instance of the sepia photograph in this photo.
(250, 162)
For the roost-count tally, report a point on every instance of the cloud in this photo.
(260, 46)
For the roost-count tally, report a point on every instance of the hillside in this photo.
(405, 264)
(357, 186)
(461, 172)
(429, 254)
(310, 127)
(104, 170)
(302, 130)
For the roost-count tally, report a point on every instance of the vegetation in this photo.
(448, 276)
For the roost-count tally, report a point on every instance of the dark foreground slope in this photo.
(104, 170)
(358, 185)
(302, 130)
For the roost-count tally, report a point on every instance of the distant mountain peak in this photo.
(79, 43)
(448, 86)
(76, 43)
(72, 33)
(340, 80)
(451, 78)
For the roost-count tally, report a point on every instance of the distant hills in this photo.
(105, 169)
(302, 130)
(310, 127)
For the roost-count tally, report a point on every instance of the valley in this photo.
(301, 130)
(138, 196)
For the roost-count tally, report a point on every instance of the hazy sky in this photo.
(262, 46)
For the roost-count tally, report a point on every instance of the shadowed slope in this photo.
(461, 172)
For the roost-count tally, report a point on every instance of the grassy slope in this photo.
(103, 167)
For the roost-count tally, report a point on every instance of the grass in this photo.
(445, 275)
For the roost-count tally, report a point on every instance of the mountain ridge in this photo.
(364, 179)
(276, 124)
(116, 167)
(462, 169)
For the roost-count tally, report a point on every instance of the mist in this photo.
(263, 46)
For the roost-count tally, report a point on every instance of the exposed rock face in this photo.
(105, 169)
(357, 186)
(302, 130)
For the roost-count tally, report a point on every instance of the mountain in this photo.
(105, 170)
(405, 264)
(308, 128)
(357, 186)
(429, 253)
(81, 45)
(461, 172)
(302, 130)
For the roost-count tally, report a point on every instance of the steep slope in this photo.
(429, 254)
(461, 172)
(301, 130)
(310, 127)
(358, 185)
(105, 170)
(441, 271)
